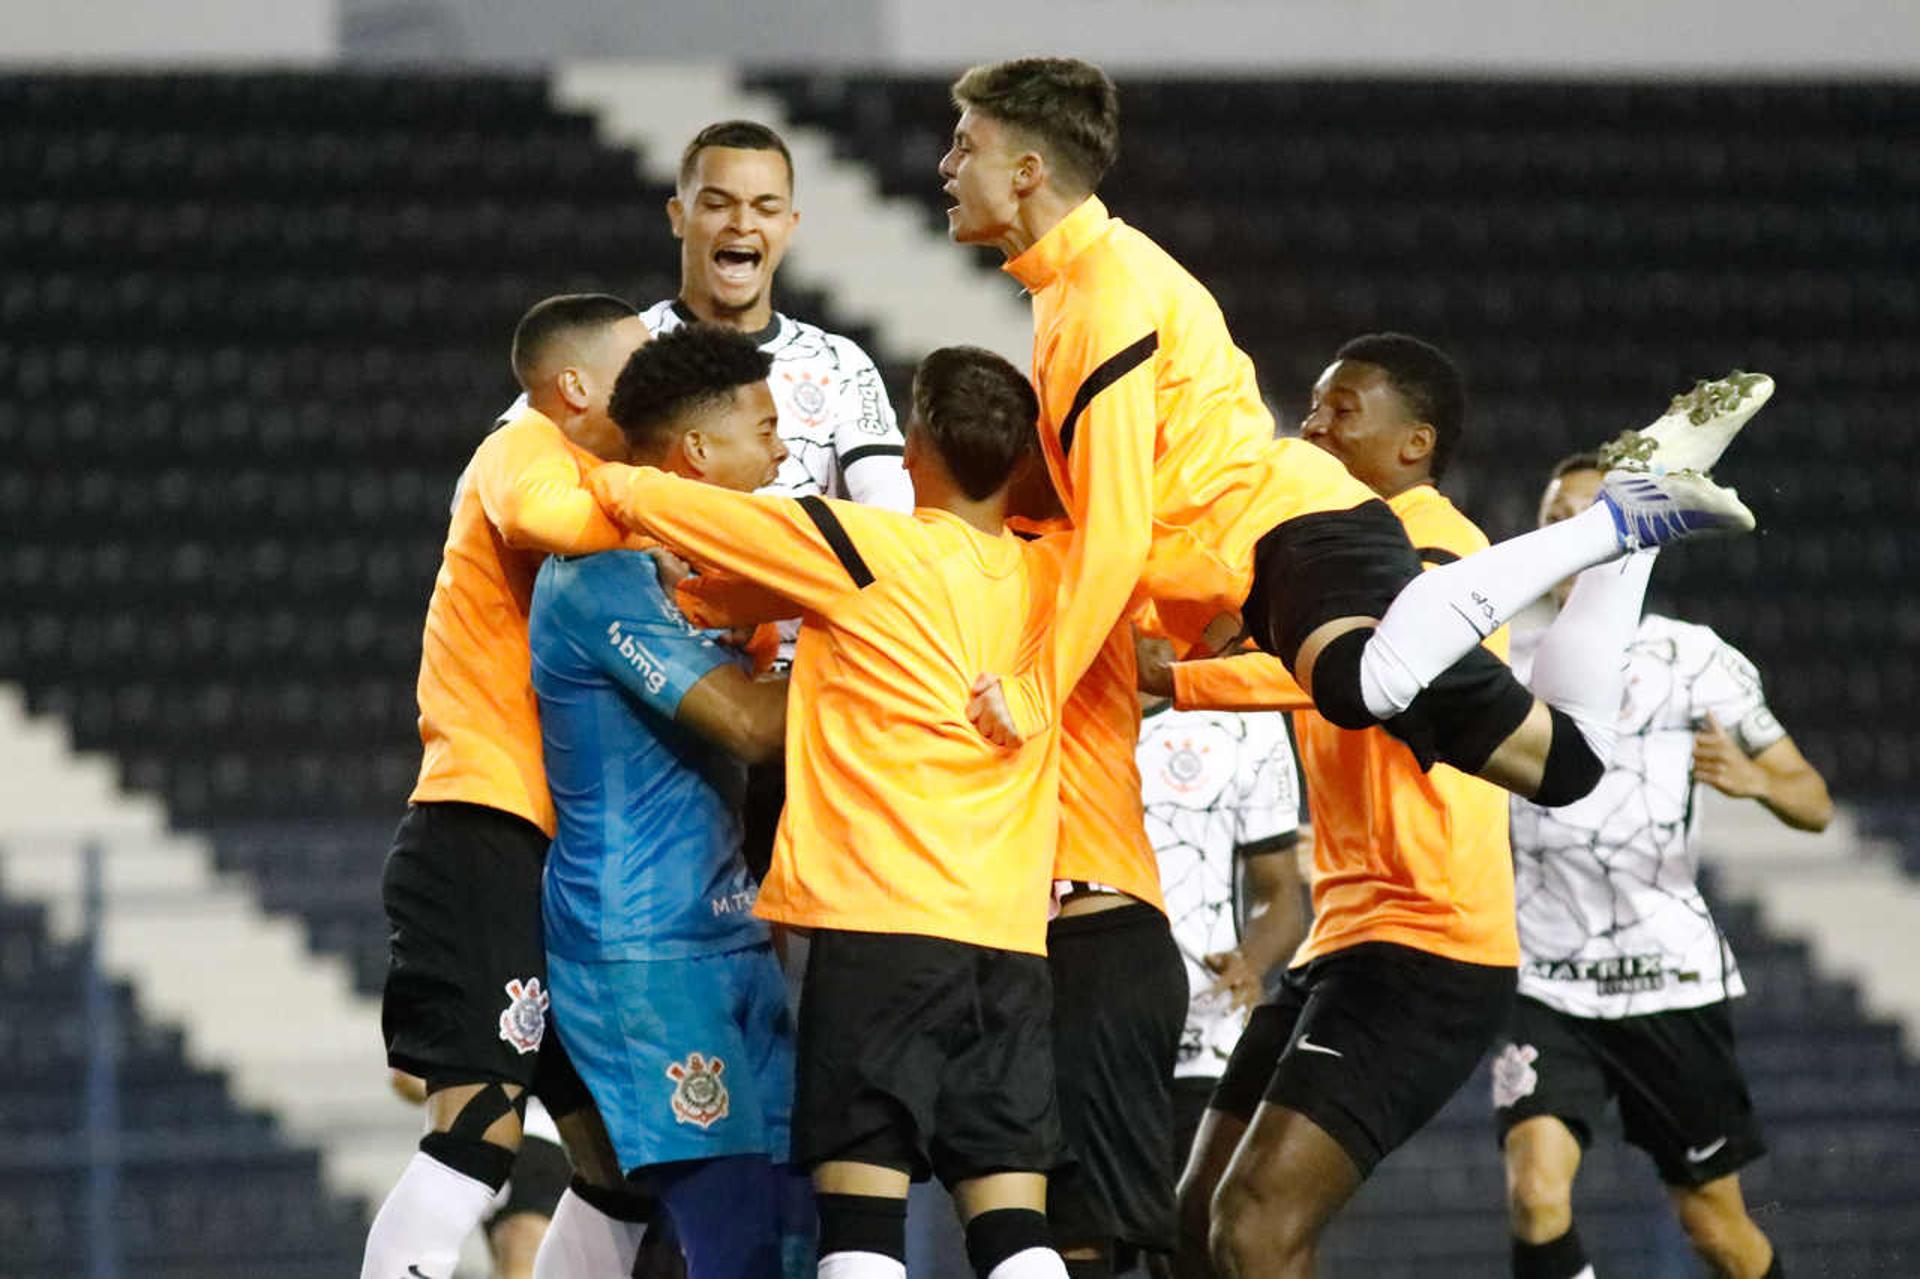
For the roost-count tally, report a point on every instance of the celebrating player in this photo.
(1408, 971)
(1156, 437)
(917, 852)
(1625, 980)
(733, 212)
(465, 1005)
(666, 991)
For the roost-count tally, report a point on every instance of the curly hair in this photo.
(1070, 107)
(690, 369)
(979, 412)
(1427, 381)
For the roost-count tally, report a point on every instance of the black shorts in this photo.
(1191, 1096)
(1312, 569)
(1683, 1098)
(540, 1176)
(466, 991)
(1119, 1004)
(1369, 1043)
(925, 1055)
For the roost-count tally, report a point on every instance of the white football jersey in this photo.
(835, 417)
(1212, 781)
(1612, 923)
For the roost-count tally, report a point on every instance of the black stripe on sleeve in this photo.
(843, 549)
(1436, 555)
(1111, 370)
(865, 451)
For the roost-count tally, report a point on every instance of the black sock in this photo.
(470, 1157)
(994, 1236)
(1089, 1268)
(863, 1223)
(1560, 1258)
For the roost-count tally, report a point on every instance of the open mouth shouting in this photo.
(737, 264)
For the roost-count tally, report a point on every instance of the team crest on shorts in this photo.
(698, 1095)
(1513, 1074)
(524, 1021)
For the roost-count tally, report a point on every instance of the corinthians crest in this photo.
(524, 1021)
(698, 1095)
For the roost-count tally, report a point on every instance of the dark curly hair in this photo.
(1068, 106)
(1426, 379)
(979, 412)
(691, 368)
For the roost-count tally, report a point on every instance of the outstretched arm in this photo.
(529, 484)
(784, 545)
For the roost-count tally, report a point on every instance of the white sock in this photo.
(1031, 1263)
(1586, 1272)
(1439, 616)
(1581, 664)
(861, 1265)
(426, 1217)
(584, 1243)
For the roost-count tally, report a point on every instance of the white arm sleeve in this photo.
(867, 443)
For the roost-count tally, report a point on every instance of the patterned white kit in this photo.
(835, 417)
(1211, 781)
(1612, 923)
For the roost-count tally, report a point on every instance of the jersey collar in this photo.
(761, 338)
(1048, 256)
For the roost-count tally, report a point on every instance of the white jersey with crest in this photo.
(1612, 922)
(835, 417)
(1212, 782)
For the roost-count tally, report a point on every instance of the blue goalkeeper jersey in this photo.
(645, 862)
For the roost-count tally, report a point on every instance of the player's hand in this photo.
(1233, 978)
(673, 570)
(988, 713)
(1720, 763)
(1154, 660)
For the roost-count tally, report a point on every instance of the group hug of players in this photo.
(965, 873)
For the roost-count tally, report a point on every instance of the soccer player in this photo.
(1120, 988)
(665, 987)
(917, 852)
(1625, 981)
(1407, 973)
(1156, 437)
(465, 1005)
(1222, 809)
(733, 212)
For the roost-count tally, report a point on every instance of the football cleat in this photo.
(1652, 509)
(1695, 430)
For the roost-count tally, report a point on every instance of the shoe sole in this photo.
(1721, 407)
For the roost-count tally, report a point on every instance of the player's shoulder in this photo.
(662, 317)
(801, 339)
(590, 585)
(1684, 639)
(1433, 522)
